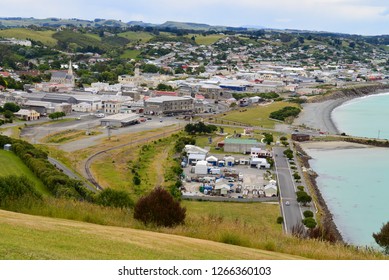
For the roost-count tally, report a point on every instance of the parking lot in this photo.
(237, 181)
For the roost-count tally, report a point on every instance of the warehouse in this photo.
(120, 120)
(238, 145)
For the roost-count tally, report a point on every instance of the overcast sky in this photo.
(365, 17)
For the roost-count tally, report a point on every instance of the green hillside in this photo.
(46, 37)
(206, 40)
(10, 164)
(133, 36)
(33, 237)
(67, 37)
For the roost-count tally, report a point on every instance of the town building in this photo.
(169, 105)
(27, 115)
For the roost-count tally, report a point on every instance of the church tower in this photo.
(70, 69)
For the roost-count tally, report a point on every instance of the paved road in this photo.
(69, 172)
(291, 213)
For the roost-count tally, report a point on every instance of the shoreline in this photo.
(318, 115)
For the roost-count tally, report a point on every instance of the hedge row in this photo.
(59, 184)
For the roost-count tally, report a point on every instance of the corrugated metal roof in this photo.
(240, 141)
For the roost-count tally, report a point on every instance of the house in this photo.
(238, 145)
(28, 115)
(300, 137)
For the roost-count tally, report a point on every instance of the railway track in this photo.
(90, 159)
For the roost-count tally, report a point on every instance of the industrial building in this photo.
(120, 120)
(168, 105)
(238, 145)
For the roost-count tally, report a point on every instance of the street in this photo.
(292, 212)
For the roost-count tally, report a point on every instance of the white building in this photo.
(119, 120)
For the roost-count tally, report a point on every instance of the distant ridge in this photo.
(8, 22)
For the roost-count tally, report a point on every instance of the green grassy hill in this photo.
(10, 164)
(46, 37)
(33, 237)
(133, 36)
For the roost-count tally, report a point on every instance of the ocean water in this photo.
(355, 182)
(366, 117)
(355, 185)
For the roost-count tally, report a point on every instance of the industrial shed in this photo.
(238, 145)
(120, 120)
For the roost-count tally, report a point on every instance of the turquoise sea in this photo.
(355, 182)
(366, 117)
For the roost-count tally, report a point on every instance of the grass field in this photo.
(257, 116)
(10, 164)
(32, 237)
(67, 136)
(206, 40)
(135, 36)
(21, 33)
(130, 54)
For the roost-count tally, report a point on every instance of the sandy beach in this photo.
(330, 145)
(318, 115)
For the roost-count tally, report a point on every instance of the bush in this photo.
(308, 214)
(309, 222)
(296, 176)
(159, 208)
(114, 198)
(13, 188)
(285, 112)
(280, 220)
(300, 188)
(382, 237)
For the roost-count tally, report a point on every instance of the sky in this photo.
(364, 17)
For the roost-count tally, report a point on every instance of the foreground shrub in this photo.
(13, 188)
(114, 198)
(159, 208)
(382, 237)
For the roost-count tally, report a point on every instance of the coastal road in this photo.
(291, 213)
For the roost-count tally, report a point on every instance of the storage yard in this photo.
(238, 176)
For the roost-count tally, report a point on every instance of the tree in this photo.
(268, 138)
(382, 237)
(159, 208)
(56, 115)
(8, 114)
(288, 153)
(11, 107)
(309, 222)
(308, 214)
(164, 87)
(303, 197)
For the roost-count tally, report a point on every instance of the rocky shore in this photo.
(329, 230)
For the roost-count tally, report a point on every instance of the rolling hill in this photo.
(34, 237)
